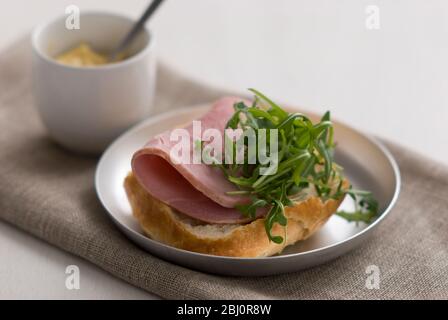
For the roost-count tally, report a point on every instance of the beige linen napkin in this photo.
(49, 192)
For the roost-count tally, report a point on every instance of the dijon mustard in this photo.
(82, 56)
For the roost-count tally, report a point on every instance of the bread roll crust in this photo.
(161, 223)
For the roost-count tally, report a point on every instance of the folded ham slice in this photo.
(197, 190)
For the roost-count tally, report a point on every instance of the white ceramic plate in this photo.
(368, 165)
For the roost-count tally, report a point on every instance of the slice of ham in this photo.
(197, 190)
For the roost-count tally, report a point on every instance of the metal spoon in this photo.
(136, 28)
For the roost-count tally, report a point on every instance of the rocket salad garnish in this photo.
(305, 162)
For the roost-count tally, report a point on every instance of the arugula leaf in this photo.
(305, 159)
(250, 210)
(275, 215)
(366, 207)
(275, 109)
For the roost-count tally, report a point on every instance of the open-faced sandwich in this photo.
(245, 180)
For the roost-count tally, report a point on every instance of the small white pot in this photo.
(85, 108)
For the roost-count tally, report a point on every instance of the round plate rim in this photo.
(190, 109)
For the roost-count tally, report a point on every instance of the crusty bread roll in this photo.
(164, 224)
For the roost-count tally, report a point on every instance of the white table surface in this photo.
(316, 53)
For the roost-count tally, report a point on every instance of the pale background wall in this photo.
(315, 53)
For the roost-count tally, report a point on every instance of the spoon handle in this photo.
(137, 27)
